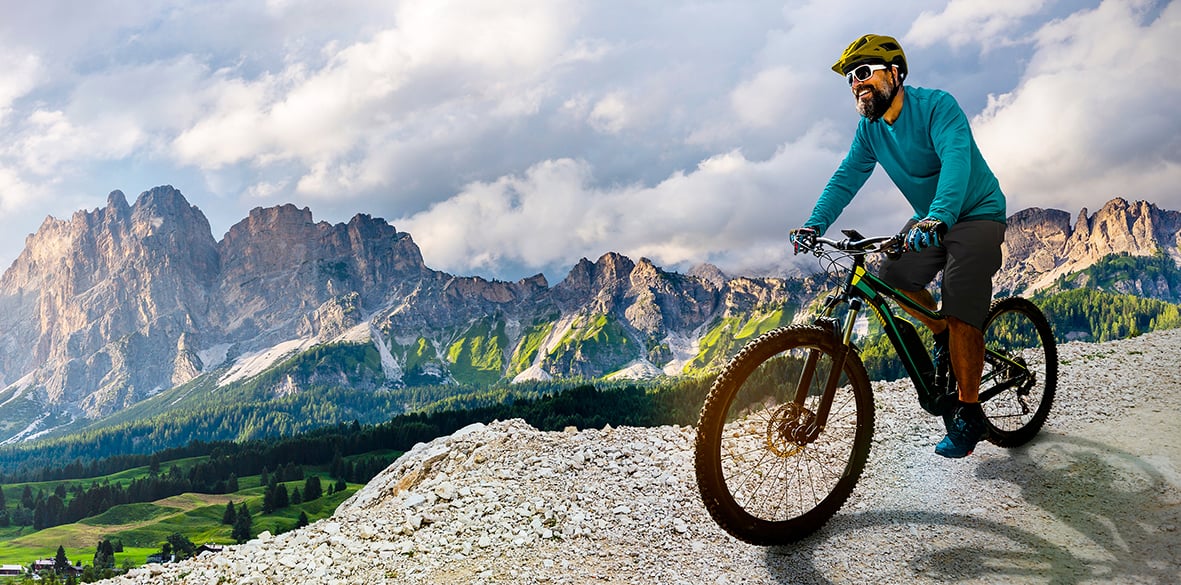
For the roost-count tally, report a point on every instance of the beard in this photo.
(874, 105)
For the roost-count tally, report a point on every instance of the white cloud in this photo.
(1093, 117)
(612, 114)
(441, 56)
(51, 140)
(729, 209)
(22, 72)
(969, 22)
(15, 194)
(765, 99)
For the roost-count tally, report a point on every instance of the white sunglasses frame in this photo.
(872, 67)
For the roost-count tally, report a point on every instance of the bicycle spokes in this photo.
(1004, 373)
(769, 467)
(1020, 371)
(790, 427)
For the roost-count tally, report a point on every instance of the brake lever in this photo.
(893, 247)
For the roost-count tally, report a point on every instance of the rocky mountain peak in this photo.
(1118, 227)
(1041, 245)
(709, 273)
(611, 272)
(117, 202)
(88, 293)
(268, 236)
(537, 281)
(645, 273)
(612, 269)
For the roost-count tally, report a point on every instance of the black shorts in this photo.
(969, 255)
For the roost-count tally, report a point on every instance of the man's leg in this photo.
(973, 256)
(967, 358)
(964, 420)
(924, 298)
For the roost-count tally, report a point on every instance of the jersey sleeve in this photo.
(951, 137)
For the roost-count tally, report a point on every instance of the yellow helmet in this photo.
(872, 48)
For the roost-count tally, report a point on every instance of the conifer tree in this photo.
(268, 500)
(230, 514)
(104, 554)
(242, 525)
(281, 498)
(60, 562)
(312, 489)
(181, 545)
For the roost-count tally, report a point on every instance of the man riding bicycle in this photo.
(922, 139)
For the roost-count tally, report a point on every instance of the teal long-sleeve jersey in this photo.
(931, 156)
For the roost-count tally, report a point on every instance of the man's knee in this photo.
(957, 324)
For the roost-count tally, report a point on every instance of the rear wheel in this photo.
(1020, 371)
(767, 474)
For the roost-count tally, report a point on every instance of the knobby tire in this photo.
(759, 486)
(1017, 328)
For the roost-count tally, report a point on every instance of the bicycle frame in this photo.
(862, 287)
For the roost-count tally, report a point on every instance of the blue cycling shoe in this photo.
(965, 428)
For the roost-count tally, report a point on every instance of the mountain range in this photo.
(119, 304)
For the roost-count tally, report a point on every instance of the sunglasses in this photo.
(863, 72)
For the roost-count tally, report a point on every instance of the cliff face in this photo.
(1041, 245)
(278, 265)
(106, 291)
(113, 305)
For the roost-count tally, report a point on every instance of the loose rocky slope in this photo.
(1095, 499)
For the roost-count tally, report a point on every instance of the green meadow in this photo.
(144, 527)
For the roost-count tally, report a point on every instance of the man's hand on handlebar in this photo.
(804, 237)
(928, 232)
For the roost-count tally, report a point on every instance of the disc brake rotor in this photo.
(786, 423)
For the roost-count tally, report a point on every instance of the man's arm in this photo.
(952, 138)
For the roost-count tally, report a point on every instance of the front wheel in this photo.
(768, 472)
(1020, 371)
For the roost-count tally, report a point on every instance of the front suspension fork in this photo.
(808, 433)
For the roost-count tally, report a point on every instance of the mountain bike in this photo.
(786, 428)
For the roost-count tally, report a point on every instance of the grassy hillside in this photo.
(144, 527)
(529, 346)
(478, 356)
(728, 334)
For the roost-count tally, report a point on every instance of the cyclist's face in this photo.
(874, 93)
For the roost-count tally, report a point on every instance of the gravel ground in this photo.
(1096, 498)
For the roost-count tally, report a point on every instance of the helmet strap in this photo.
(899, 77)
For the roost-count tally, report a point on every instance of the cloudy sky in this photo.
(517, 136)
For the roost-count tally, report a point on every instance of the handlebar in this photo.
(855, 242)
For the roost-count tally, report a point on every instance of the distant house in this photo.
(49, 565)
(156, 558)
(11, 570)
